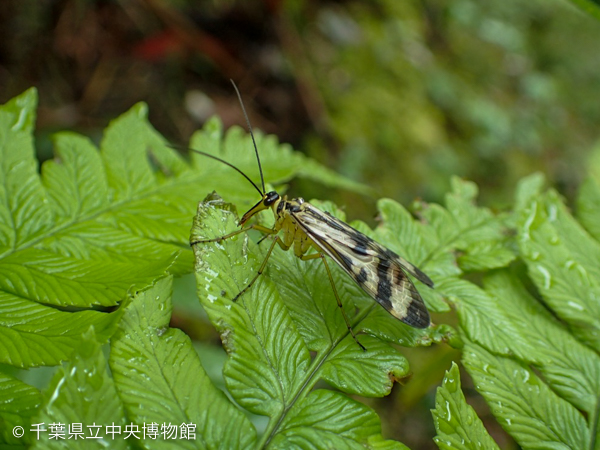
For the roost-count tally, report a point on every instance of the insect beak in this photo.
(260, 206)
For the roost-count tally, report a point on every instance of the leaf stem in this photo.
(311, 379)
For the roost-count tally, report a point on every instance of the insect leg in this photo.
(337, 297)
(267, 231)
(262, 266)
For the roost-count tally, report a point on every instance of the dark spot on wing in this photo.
(345, 260)
(389, 254)
(360, 249)
(423, 277)
(384, 287)
(333, 224)
(362, 276)
(417, 314)
(412, 269)
(316, 214)
(401, 277)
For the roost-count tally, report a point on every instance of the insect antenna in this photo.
(222, 161)
(262, 179)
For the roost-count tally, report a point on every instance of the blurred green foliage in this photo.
(418, 91)
(396, 95)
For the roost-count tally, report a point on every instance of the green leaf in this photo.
(24, 214)
(80, 393)
(564, 262)
(524, 405)
(18, 402)
(310, 300)
(160, 379)
(588, 198)
(520, 327)
(311, 170)
(456, 423)
(279, 163)
(97, 225)
(479, 235)
(537, 338)
(291, 308)
(269, 370)
(255, 329)
(537, 373)
(371, 373)
(326, 419)
(485, 255)
(588, 207)
(589, 6)
(34, 335)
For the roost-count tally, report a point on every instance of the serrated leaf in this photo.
(485, 255)
(33, 335)
(377, 323)
(536, 337)
(269, 370)
(564, 262)
(81, 398)
(531, 368)
(279, 163)
(524, 405)
(527, 189)
(18, 402)
(464, 226)
(588, 198)
(456, 422)
(588, 207)
(98, 224)
(268, 359)
(52, 279)
(311, 170)
(311, 301)
(370, 373)
(325, 420)
(160, 378)
(24, 213)
(521, 327)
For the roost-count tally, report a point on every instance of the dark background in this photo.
(399, 95)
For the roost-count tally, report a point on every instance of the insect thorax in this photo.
(285, 220)
(285, 206)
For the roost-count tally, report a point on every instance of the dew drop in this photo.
(576, 306)
(546, 274)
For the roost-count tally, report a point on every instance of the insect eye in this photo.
(271, 198)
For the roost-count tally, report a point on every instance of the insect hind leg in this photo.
(337, 297)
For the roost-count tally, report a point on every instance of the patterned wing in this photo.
(376, 269)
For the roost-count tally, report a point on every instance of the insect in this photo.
(380, 272)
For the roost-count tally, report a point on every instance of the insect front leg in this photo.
(276, 240)
(337, 297)
(260, 228)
